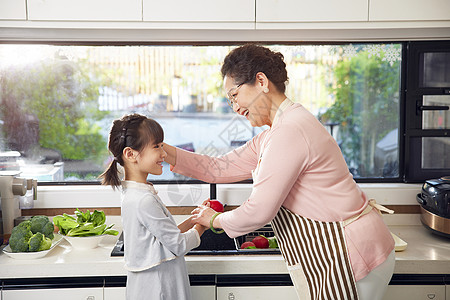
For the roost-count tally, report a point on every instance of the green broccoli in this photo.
(20, 236)
(42, 224)
(25, 224)
(38, 242)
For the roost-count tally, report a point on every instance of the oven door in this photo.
(427, 117)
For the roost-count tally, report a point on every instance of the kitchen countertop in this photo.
(426, 253)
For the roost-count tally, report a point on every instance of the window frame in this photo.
(402, 96)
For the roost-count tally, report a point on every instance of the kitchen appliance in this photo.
(12, 186)
(427, 111)
(434, 202)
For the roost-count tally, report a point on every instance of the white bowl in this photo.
(84, 242)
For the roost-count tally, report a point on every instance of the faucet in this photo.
(10, 187)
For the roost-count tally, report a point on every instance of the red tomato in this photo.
(216, 205)
(261, 242)
(247, 245)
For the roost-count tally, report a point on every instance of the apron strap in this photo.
(372, 204)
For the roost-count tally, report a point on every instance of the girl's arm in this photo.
(186, 224)
(189, 223)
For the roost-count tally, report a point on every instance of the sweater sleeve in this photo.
(284, 159)
(159, 222)
(234, 166)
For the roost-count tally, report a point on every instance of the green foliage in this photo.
(366, 107)
(65, 223)
(63, 96)
(85, 224)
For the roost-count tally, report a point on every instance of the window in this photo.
(57, 103)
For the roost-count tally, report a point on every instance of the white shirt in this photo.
(151, 235)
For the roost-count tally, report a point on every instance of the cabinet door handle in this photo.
(432, 107)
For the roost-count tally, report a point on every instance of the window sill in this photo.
(194, 194)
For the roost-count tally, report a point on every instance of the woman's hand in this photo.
(202, 215)
(171, 157)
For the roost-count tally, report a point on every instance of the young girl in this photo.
(154, 245)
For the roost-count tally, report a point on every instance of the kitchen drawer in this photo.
(256, 292)
(415, 292)
(114, 293)
(66, 294)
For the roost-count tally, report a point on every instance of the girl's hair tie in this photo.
(123, 136)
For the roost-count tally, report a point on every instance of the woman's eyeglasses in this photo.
(231, 95)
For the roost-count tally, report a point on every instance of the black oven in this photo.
(427, 114)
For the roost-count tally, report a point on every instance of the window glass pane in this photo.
(435, 153)
(58, 102)
(436, 69)
(439, 118)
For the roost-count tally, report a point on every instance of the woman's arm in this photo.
(233, 166)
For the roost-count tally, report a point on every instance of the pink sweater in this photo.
(302, 169)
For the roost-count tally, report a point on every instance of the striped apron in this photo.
(316, 256)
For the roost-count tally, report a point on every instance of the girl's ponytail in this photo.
(111, 175)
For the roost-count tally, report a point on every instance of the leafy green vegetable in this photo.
(273, 243)
(85, 224)
(98, 218)
(65, 223)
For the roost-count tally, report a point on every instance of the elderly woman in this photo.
(334, 244)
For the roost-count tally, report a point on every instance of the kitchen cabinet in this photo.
(203, 292)
(66, 294)
(84, 10)
(202, 287)
(199, 11)
(311, 11)
(415, 292)
(114, 293)
(255, 286)
(67, 288)
(256, 292)
(198, 293)
(409, 10)
(13, 10)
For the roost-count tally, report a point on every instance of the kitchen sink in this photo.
(218, 244)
